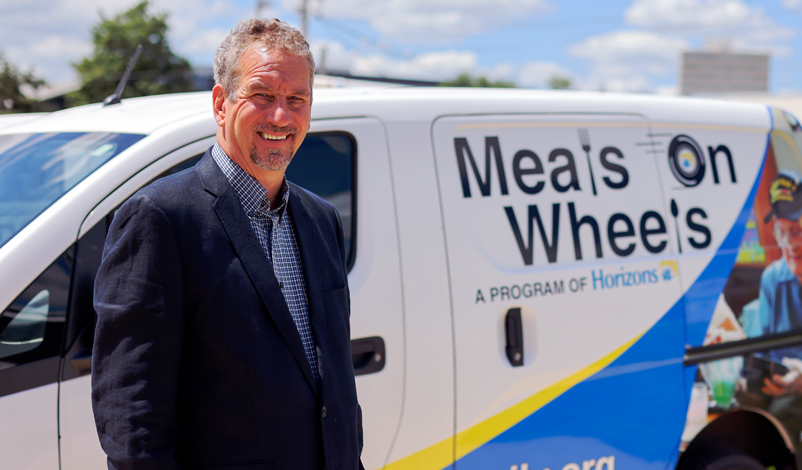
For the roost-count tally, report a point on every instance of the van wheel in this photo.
(732, 462)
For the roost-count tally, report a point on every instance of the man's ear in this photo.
(218, 104)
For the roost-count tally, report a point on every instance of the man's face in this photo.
(271, 113)
(789, 238)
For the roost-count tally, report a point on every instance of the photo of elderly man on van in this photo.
(778, 308)
(761, 305)
(780, 298)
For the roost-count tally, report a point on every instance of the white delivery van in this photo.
(539, 280)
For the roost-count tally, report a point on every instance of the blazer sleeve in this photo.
(138, 339)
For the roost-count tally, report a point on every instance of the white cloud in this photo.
(197, 27)
(503, 71)
(792, 4)
(194, 29)
(435, 66)
(746, 27)
(204, 42)
(666, 14)
(628, 60)
(426, 21)
(671, 90)
(61, 34)
(47, 36)
(56, 47)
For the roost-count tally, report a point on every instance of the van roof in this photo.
(147, 114)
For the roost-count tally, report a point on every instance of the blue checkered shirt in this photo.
(276, 233)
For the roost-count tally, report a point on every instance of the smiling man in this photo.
(780, 300)
(223, 336)
(780, 296)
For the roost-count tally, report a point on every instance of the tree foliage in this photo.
(466, 80)
(157, 71)
(559, 83)
(12, 100)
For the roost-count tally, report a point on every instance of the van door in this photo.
(563, 284)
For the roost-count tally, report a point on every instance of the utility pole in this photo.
(261, 5)
(304, 11)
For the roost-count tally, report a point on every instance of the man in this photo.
(223, 313)
(780, 298)
(780, 304)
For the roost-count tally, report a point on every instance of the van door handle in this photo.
(368, 355)
(515, 337)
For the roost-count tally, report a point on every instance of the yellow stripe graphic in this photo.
(441, 454)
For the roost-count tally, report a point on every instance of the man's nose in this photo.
(795, 243)
(279, 113)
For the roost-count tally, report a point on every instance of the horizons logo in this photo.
(686, 160)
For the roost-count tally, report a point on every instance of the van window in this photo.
(26, 330)
(31, 327)
(37, 169)
(324, 164)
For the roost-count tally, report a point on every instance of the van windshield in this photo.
(38, 169)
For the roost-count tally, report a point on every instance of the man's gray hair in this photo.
(271, 34)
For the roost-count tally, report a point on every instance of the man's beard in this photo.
(274, 159)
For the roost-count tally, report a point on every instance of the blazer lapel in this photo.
(307, 235)
(258, 267)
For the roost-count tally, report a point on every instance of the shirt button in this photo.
(281, 285)
(323, 413)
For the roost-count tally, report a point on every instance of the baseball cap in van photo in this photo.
(785, 196)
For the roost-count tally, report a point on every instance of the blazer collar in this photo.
(235, 222)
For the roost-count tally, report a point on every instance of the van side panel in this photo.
(560, 216)
(708, 174)
(570, 220)
(745, 308)
(30, 431)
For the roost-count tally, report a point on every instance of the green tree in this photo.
(12, 100)
(157, 71)
(465, 80)
(559, 83)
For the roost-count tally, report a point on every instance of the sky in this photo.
(614, 45)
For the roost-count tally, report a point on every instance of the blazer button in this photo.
(323, 413)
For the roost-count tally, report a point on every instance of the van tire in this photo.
(737, 461)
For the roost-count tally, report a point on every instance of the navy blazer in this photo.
(197, 362)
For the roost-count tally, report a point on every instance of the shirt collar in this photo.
(252, 195)
(784, 273)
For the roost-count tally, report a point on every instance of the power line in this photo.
(361, 38)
